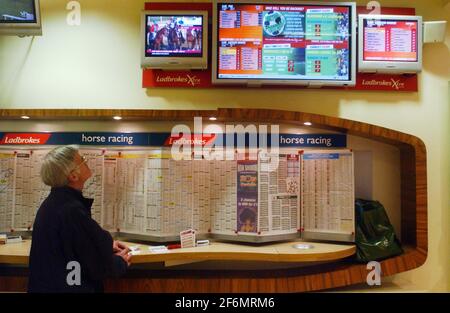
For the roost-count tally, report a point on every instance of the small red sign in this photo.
(186, 79)
(386, 82)
(203, 139)
(24, 139)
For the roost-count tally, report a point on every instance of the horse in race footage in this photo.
(160, 39)
(194, 39)
(175, 38)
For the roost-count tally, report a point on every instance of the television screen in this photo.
(20, 18)
(172, 38)
(279, 43)
(174, 35)
(386, 40)
(390, 43)
(17, 11)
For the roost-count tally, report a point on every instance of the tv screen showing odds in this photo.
(390, 40)
(174, 35)
(284, 42)
(17, 11)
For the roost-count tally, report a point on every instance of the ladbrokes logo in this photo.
(393, 83)
(189, 79)
(193, 80)
(203, 140)
(397, 84)
(24, 139)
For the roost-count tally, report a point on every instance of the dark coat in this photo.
(64, 231)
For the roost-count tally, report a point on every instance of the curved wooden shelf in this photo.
(338, 274)
(280, 252)
(18, 253)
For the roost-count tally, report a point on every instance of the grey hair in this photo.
(57, 165)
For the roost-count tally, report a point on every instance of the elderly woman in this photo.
(70, 252)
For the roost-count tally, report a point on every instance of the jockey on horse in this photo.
(176, 38)
(159, 43)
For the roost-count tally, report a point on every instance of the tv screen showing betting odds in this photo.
(390, 40)
(17, 11)
(288, 42)
(169, 35)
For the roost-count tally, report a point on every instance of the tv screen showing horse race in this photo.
(17, 11)
(169, 35)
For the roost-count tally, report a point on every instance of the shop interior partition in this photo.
(298, 277)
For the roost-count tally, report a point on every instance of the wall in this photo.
(96, 65)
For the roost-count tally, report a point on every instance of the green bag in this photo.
(375, 236)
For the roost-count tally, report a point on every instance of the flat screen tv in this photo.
(174, 40)
(284, 43)
(390, 44)
(20, 18)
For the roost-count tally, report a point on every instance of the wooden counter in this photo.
(280, 252)
(18, 253)
(15, 253)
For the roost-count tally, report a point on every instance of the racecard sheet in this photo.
(21, 188)
(328, 192)
(146, 192)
